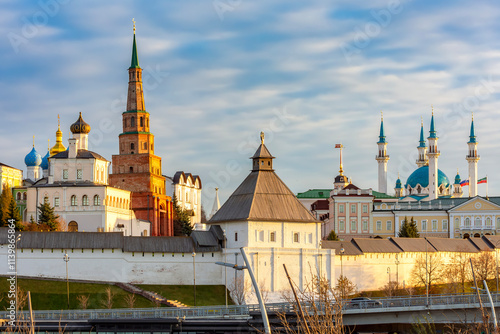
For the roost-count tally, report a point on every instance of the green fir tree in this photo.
(5, 199)
(13, 214)
(182, 220)
(408, 229)
(332, 236)
(47, 216)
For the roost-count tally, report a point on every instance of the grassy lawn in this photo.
(52, 295)
(205, 294)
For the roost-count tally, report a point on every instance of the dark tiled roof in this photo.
(413, 244)
(81, 154)
(376, 245)
(349, 248)
(262, 152)
(452, 245)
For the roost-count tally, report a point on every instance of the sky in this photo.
(216, 73)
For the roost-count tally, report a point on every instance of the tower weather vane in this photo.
(262, 137)
(133, 20)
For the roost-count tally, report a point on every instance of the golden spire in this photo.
(472, 116)
(33, 141)
(48, 144)
(432, 108)
(422, 120)
(381, 115)
(58, 147)
(133, 20)
(262, 137)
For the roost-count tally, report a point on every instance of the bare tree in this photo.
(345, 287)
(458, 272)
(484, 266)
(130, 300)
(83, 301)
(391, 289)
(264, 292)
(428, 270)
(322, 309)
(107, 301)
(239, 289)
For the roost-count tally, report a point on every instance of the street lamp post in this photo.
(342, 272)
(247, 266)
(397, 271)
(389, 283)
(66, 259)
(15, 264)
(194, 277)
(225, 268)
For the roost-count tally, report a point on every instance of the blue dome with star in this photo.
(457, 179)
(421, 176)
(398, 183)
(45, 161)
(33, 159)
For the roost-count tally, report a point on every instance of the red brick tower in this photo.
(136, 167)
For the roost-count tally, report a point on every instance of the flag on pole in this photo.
(483, 180)
(338, 145)
(464, 183)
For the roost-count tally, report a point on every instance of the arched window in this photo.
(477, 221)
(46, 199)
(488, 222)
(498, 222)
(132, 146)
(467, 222)
(85, 200)
(97, 200)
(18, 196)
(24, 196)
(73, 201)
(73, 226)
(132, 121)
(142, 121)
(131, 169)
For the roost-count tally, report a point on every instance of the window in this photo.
(477, 221)
(132, 146)
(341, 208)
(145, 145)
(341, 225)
(142, 121)
(353, 208)
(65, 174)
(18, 196)
(457, 222)
(85, 200)
(24, 196)
(353, 225)
(295, 237)
(424, 225)
(498, 222)
(235, 236)
(434, 225)
(365, 225)
(79, 174)
(261, 236)
(46, 199)
(388, 225)
(73, 201)
(131, 169)
(488, 222)
(310, 238)
(56, 201)
(467, 222)
(132, 121)
(365, 208)
(445, 224)
(379, 225)
(272, 237)
(97, 200)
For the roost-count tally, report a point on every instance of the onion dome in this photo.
(58, 147)
(33, 159)
(45, 161)
(341, 179)
(421, 176)
(80, 126)
(457, 178)
(398, 183)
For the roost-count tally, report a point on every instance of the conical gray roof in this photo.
(263, 196)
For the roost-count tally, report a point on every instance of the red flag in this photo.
(338, 145)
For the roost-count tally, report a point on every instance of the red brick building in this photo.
(136, 168)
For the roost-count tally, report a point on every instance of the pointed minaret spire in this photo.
(433, 155)
(472, 157)
(422, 148)
(382, 158)
(216, 206)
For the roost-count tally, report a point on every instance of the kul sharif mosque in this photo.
(428, 182)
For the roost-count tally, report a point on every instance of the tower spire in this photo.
(433, 155)
(382, 132)
(472, 158)
(432, 132)
(135, 59)
(382, 158)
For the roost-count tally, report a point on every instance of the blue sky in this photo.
(309, 73)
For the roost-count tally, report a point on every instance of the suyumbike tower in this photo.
(136, 168)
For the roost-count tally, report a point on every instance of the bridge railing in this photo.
(245, 310)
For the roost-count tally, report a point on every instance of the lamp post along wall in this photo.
(66, 259)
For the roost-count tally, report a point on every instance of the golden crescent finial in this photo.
(473, 116)
(422, 120)
(133, 20)
(33, 141)
(432, 108)
(381, 115)
(262, 137)
(48, 144)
